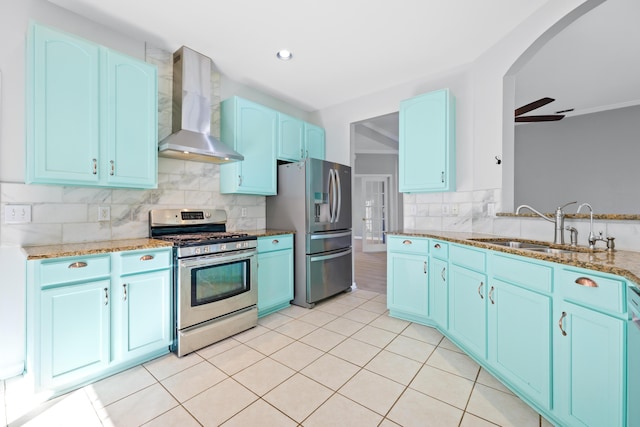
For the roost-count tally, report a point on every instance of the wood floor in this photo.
(370, 269)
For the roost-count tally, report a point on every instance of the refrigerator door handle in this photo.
(330, 235)
(339, 194)
(336, 255)
(332, 196)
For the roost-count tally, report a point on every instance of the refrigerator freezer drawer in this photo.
(328, 274)
(328, 241)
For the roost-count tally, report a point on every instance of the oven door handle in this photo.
(221, 258)
(331, 256)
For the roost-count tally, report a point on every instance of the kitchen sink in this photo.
(535, 247)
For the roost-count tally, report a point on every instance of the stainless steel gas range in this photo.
(215, 277)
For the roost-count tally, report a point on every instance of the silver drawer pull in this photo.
(585, 281)
(275, 241)
(78, 264)
(407, 242)
(437, 246)
(146, 257)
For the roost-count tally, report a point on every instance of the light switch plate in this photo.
(17, 214)
(104, 213)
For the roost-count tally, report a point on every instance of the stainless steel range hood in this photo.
(191, 121)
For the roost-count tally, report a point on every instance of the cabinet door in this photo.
(438, 292)
(62, 109)
(407, 284)
(467, 309)
(314, 141)
(290, 138)
(275, 281)
(520, 339)
(426, 150)
(589, 351)
(131, 156)
(74, 332)
(250, 129)
(142, 306)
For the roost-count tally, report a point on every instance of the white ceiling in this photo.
(343, 49)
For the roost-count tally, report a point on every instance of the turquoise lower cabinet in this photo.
(92, 316)
(275, 273)
(439, 292)
(468, 309)
(74, 332)
(408, 278)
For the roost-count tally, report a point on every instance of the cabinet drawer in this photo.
(63, 270)
(440, 249)
(467, 257)
(275, 243)
(408, 244)
(522, 272)
(137, 261)
(593, 290)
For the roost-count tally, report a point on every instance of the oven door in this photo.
(214, 285)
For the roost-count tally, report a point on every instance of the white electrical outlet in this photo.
(491, 209)
(104, 213)
(17, 214)
(243, 212)
(445, 210)
(454, 209)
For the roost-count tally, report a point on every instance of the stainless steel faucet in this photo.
(558, 220)
(592, 237)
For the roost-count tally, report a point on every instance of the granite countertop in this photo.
(610, 217)
(267, 232)
(89, 248)
(620, 263)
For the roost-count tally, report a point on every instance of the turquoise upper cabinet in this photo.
(408, 278)
(314, 140)
(298, 140)
(131, 120)
(427, 143)
(251, 130)
(275, 273)
(91, 114)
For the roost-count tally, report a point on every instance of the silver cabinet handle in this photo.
(124, 292)
(106, 296)
(113, 167)
(444, 269)
(586, 282)
(424, 268)
(407, 242)
(78, 264)
(239, 180)
(146, 257)
(564, 314)
(480, 290)
(491, 295)
(437, 246)
(275, 241)
(95, 166)
(302, 153)
(442, 176)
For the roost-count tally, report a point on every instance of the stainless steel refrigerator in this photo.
(314, 199)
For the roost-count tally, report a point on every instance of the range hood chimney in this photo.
(191, 121)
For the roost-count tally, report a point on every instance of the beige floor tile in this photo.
(360, 315)
(350, 300)
(323, 339)
(380, 298)
(388, 423)
(269, 343)
(263, 376)
(170, 364)
(344, 326)
(419, 410)
(274, 320)
(71, 409)
(375, 307)
(470, 420)
(178, 417)
(373, 391)
(217, 348)
(501, 408)
(423, 333)
(487, 379)
(298, 397)
(544, 422)
(236, 359)
(393, 366)
(374, 336)
(139, 407)
(364, 294)
(220, 402)
(250, 334)
(454, 362)
(318, 318)
(194, 380)
(297, 355)
(413, 349)
(445, 386)
(294, 311)
(339, 411)
(390, 324)
(331, 371)
(260, 413)
(333, 307)
(296, 329)
(108, 390)
(354, 351)
(446, 343)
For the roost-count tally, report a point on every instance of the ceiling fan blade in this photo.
(533, 105)
(531, 119)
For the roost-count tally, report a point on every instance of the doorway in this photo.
(375, 204)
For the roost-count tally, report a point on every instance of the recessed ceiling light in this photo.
(284, 55)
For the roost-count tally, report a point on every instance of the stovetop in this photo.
(190, 239)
